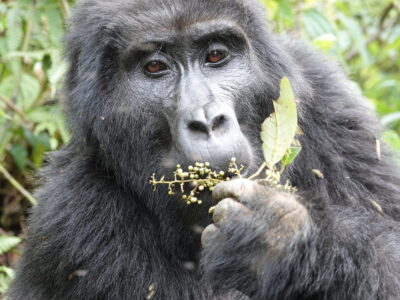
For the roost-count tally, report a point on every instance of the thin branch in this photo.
(14, 108)
(18, 186)
(29, 26)
(263, 166)
(65, 8)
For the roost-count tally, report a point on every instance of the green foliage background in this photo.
(363, 35)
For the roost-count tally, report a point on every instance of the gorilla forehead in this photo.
(131, 18)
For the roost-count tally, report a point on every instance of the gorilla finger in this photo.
(227, 208)
(210, 233)
(232, 189)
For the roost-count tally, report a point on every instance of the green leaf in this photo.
(3, 46)
(325, 41)
(290, 155)
(40, 144)
(316, 24)
(6, 275)
(56, 25)
(7, 86)
(3, 8)
(24, 54)
(285, 9)
(20, 155)
(8, 242)
(392, 138)
(14, 29)
(355, 31)
(279, 129)
(56, 72)
(30, 90)
(390, 118)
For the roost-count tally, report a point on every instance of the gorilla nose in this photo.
(212, 134)
(207, 126)
(207, 121)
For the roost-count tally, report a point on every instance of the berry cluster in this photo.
(200, 177)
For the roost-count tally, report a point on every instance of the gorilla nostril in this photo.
(218, 122)
(198, 126)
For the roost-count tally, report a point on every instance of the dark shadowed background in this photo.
(362, 35)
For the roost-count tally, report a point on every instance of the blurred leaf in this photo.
(55, 25)
(390, 118)
(31, 54)
(7, 243)
(14, 29)
(316, 25)
(35, 140)
(285, 9)
(325, 41)
(7, 86)
(56, 72)
(20, 155)
(357, 36)
(6, 275)
(392, 138)
(30, 89)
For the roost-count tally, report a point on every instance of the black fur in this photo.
(98, 214)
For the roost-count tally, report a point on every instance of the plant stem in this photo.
(18, 186)
(29, 25)
(15, 109)
(263, 166)
(65, 8)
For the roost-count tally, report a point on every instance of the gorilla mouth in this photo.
(218, 154)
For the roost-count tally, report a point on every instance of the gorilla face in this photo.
(152, 96)
(193, 76)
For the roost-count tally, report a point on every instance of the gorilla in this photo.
(153, 84)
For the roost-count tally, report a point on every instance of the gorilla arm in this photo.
(267, 244)
(89, 240)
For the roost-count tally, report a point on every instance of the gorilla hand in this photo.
(255, 227)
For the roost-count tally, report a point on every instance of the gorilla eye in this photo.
(215, 56)
(155, 67)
